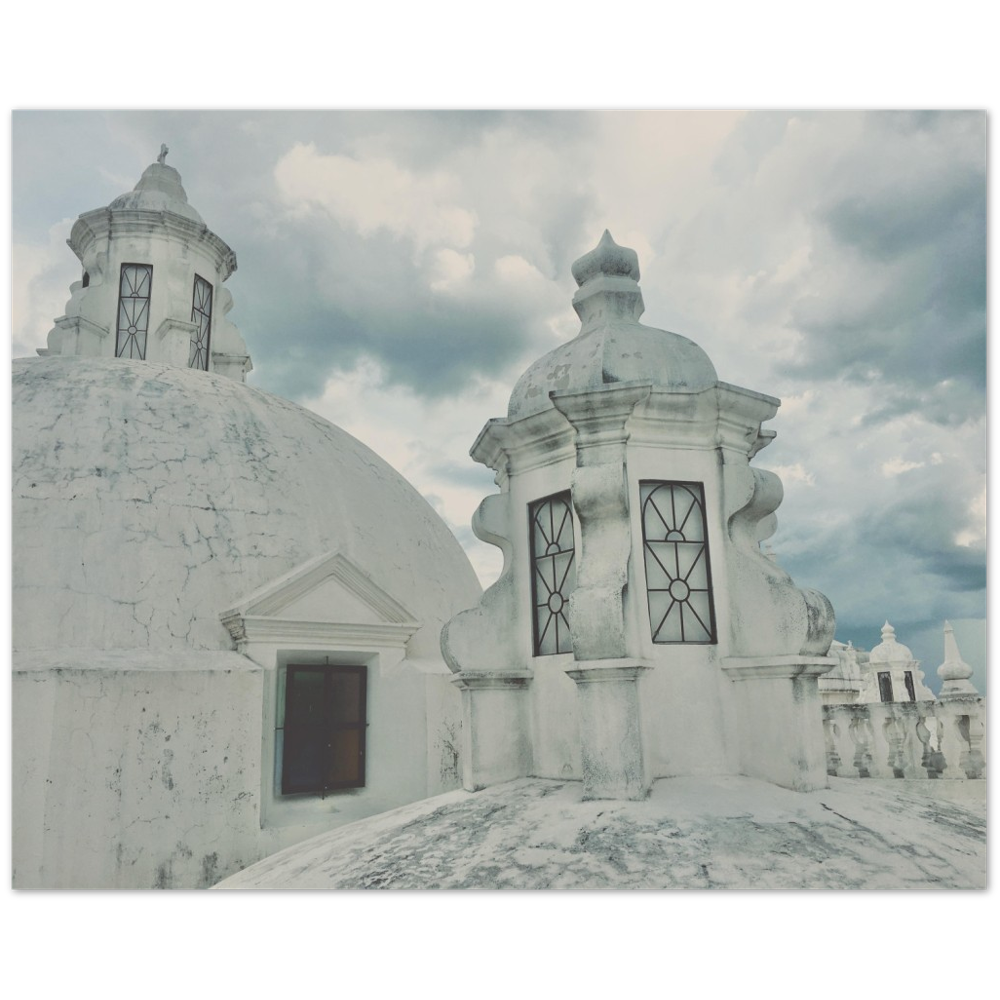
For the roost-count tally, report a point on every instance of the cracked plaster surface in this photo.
(697, 833)
(147, 499)
(134, 772)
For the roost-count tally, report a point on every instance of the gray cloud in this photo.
(838, 256)
(898, 294)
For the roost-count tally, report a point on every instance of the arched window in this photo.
(201, 316)
(553, 572)
(678, 574)
(133, 310)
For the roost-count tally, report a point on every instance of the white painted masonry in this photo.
(179, 539)
(620, 405)
(152, 225)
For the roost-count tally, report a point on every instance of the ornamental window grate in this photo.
(133, 311)
(201, 316)
(553, 572)
(678, 573)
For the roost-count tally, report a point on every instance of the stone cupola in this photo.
(893, 674)
(637, 631)
(152, 282)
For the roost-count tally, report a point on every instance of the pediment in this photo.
(329, 590)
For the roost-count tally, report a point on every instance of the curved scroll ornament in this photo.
(480, 638)
(768, 613)
(225, 334)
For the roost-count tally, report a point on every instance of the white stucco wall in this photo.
(134, 769)
(147, 501)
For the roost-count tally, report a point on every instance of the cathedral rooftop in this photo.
(700, 832)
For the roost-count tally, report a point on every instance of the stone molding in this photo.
(257, 617)
(340, 635)
(603, 671)
(106, 223)
(283, 591)
(491, 680)
(748, 668)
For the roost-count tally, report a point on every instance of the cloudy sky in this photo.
(399, 270)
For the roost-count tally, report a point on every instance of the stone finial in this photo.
(162, 158)
(607, 258)
(608, 278)
(890, 649)
(955, 672)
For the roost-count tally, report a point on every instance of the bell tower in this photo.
(637, 630)
(152, 282)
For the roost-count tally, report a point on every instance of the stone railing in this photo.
(923, 739)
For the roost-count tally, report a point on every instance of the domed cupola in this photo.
(159, 190)
(152, 283)
(637, 629)
(612, 345)
(890, 650)
(892, 674)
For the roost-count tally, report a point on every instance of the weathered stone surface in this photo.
(148, 499)
(691, 833)
(162, 516)
(600, 425)
(153, 226)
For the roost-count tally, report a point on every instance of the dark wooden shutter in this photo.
(885, 685)
(324, 732)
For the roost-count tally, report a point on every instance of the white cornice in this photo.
(257, 618)
(104, 222)
(336, 635)
(748, 668)
(274, 597)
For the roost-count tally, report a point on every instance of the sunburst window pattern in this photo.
(133, 311)
(553, 572)
(678, 575)
(201, 316)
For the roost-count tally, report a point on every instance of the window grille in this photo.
(553, 572)
(201, 316)
(675, 551)
(884, 685)
(323, 745)
(908, 681)
(133, 310)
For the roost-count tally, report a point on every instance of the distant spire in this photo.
(162, 158)
(955, 672)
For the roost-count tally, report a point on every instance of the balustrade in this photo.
(922, 739)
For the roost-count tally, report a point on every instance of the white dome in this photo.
(159, 190)
(889, 650)
(612, 346)
(148, 499)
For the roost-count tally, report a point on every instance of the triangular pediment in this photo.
(329, 588)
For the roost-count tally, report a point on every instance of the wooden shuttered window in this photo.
(324, 728)
(885, 685)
